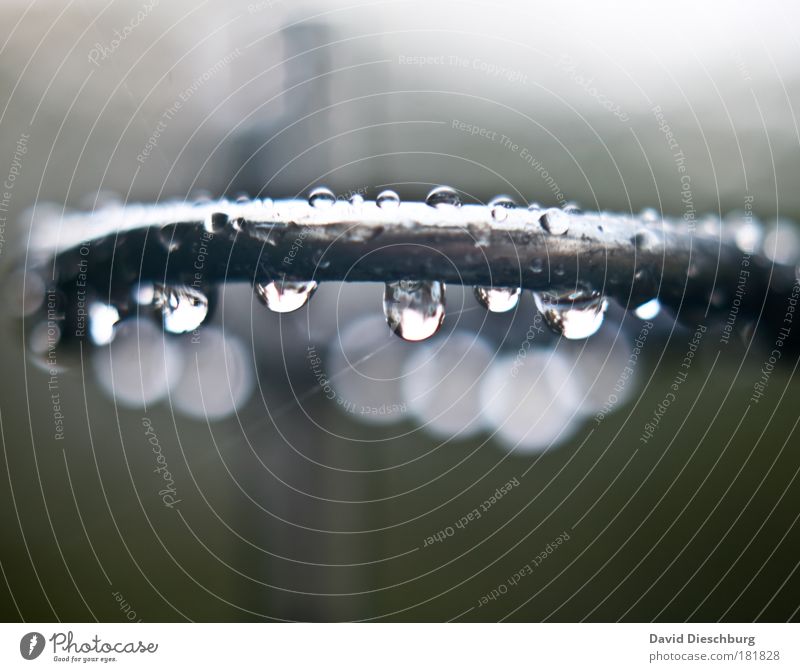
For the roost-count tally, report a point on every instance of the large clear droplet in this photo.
(102, 320)
(500, 206)
(498, 299)
(285, 296)
(574, 314)
(555, 221)
(414, 310)
(388, 199)
(443, 196)
(648, 310)
(321, 197)
(182, 308)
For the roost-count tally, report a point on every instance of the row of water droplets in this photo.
(414, 309)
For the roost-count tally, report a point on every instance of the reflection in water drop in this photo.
(388, 199)
(574, 314)
(140, 365)
(102, 320)
(321, 197)
(364, 366)
(218, 377)
(648, 310)
(182, 308)
(441, 196)
(414, 310)
(500, 206)
(285, 296)
(442, 384)
(555, 221)
(498, 299)
(530, 402)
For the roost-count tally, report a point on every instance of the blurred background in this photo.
(312, 466)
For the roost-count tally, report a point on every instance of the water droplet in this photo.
(216, 222)
(555, 221)
(443, 196)
(648, 310)
(574, 314)
(534, 206)
(498, 299)
(500, 206)
(321, 197)
(537, 265)
(242, 197)
(356, 199)
(102, 320)
(285, 296)
(182, 308)
(414, 310)
(572, 208)
(649, 215)
(388, 199)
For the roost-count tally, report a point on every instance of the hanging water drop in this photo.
(498, 299)
(555, 221)
(442, 196)
(182, 308)
(285, 296)
(388, 199)
(500, 206)
(414, 309)
(648, 310)
(574, 314)
(321, 197)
